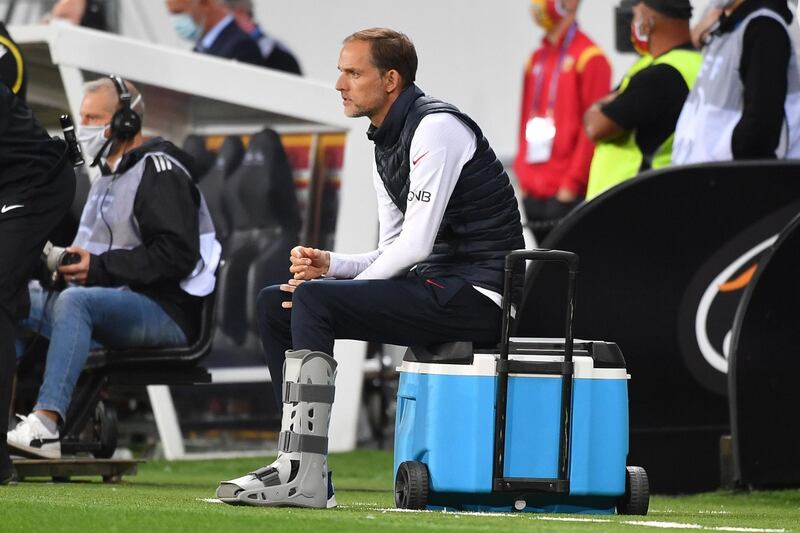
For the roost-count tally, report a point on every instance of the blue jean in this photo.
(80, 319)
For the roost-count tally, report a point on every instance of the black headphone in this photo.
(126, 122)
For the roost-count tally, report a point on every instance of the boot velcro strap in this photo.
(299, 392)
(265, 471)
(289, 441)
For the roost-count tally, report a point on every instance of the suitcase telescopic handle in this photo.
(517, 256)
(561, 483)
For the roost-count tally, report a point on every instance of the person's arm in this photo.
(441, 146)
(596, 123)
(763, 70)
(650, 98)
(595, 82)
(165, 207)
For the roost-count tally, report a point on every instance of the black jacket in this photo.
(233, 43)
(12, 64)
(166, 212)
(29, 157)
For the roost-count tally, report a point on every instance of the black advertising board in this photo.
(764, 362)
(665, 258)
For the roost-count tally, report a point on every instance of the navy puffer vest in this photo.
(481, 223)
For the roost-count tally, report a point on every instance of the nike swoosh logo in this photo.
(415, 161)
(7, 208)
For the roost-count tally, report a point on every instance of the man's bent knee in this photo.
(269, 301)
(309, 293)
(71, 300)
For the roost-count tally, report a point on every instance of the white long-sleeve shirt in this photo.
(440, 148)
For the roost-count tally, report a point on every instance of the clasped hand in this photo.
(306, 264)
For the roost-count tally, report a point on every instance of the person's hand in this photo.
(309, 263)
(78, 272)
(289, 287)
(565, 195)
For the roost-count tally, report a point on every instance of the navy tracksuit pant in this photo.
(403, 311)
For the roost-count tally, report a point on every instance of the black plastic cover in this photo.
(604, 354)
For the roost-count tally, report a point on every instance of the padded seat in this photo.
(259, 201)
(91, 424)
(260, 193)
(213, 184)
(174, 356)
(204, 159)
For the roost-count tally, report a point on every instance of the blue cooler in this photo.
(534, 452)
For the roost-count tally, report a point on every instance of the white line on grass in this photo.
(570, 519)
(643, 523)
(666, 525)
(679, 525)
(453, 513)
(746, 529)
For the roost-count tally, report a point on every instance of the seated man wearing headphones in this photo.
(148, 254)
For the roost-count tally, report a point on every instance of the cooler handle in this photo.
(512, 259)
(561, 483)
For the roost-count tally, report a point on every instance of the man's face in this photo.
(363, 88)
(98, 107)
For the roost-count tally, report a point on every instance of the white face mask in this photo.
(186, 27)
(638, 31)
(93, 138)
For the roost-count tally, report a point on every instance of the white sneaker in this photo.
(31, 437)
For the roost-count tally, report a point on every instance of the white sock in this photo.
(49, 425)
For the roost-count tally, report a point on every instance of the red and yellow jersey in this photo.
(585, 77)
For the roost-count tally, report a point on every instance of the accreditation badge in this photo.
(539, 135)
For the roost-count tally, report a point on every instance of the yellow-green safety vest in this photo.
(620, 159)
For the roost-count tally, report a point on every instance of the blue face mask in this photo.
(186, 27)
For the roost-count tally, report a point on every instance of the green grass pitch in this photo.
(171, 497)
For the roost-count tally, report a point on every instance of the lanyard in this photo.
(539, 68)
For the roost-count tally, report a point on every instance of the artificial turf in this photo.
(170, 497)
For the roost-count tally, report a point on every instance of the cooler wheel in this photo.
(637, 492)
(411, 486)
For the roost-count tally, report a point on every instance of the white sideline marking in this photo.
(667, 525)
(570, 519)
(644, 523)
(678, 525)
(747, 529)
(209, 500)
(449, 513)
